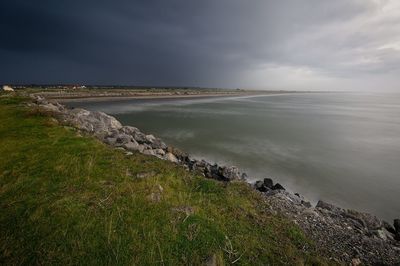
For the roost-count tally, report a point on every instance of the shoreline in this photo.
(344, 234)
(154, 96)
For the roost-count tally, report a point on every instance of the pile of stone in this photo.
(348, 236)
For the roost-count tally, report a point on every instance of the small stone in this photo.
(307, 204)
(212, 261)
(355, 262)
(145, 174)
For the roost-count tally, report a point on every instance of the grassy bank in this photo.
(69, 199)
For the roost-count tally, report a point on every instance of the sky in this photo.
(258, 44)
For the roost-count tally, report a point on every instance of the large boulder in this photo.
(170, 157)
(158, 144)
(181, 155)
(230, 173)
(278, 186)
(150, 138)
(202, 166)
(123, 138)
(129, 130)
(131, 146)
(268, 183)
(150, 152)
(92, 121)
(260, 186)
(140, 137)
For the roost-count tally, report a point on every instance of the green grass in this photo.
(69, 199)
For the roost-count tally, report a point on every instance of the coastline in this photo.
(338, 231)
(100, 97)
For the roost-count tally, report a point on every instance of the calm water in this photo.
(342, 148)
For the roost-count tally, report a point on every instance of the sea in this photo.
(342, 148)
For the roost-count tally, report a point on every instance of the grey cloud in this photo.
(225, 43)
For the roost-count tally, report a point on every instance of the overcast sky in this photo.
(285, 44)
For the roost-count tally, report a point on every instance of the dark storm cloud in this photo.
(228, 43)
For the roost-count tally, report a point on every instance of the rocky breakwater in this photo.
(343, 235)
(110, 131)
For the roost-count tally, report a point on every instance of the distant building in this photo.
(7, 88)
(76, 87)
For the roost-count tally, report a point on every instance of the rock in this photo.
(129, 130)
(201, 166)
(155, 197)
(324, 205)
(92, 121)
(170, 157)
(124, 139)
(149, 152)
(39, 100)
(212, 261)
(244, 176)
(131, 146)
(150, 138)
(278, 186)
(383, 234)
(158, 144)
(268, 183)
(306, 204)
(355, 262)
(110, 141)
(141, 148)
(230, 173)
(160, 152)
(370, 222)
(146, 174)
(396, 224)
(389, 227)
(140, 137)
(260, 186)
(182, 156)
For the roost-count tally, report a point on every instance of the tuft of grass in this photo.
(69, 199)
